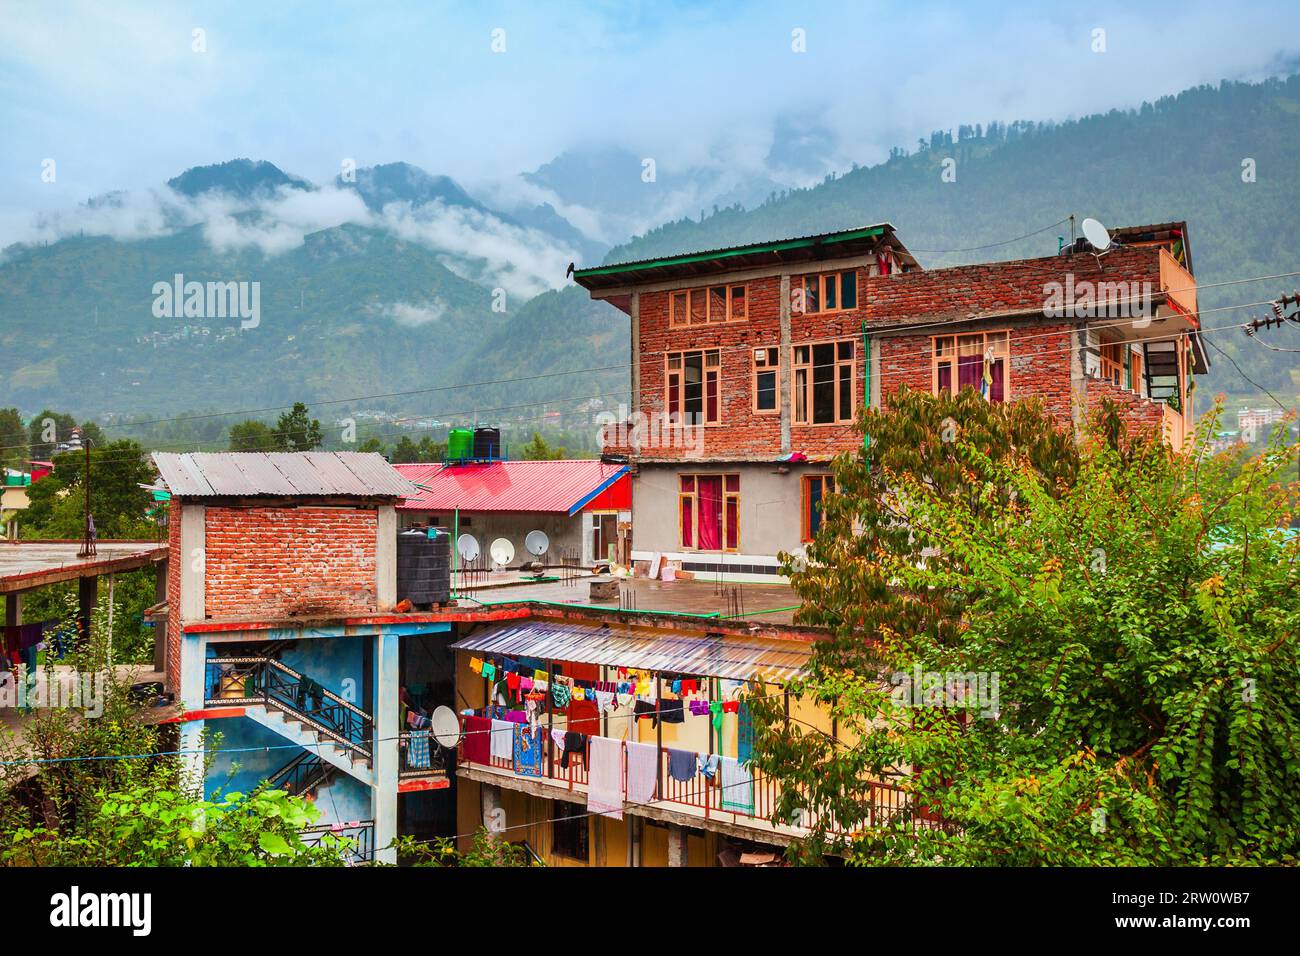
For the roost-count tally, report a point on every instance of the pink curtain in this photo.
(996, 388)
(970, 371)
(710, 499)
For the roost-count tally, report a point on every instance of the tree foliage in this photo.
(1138, 610)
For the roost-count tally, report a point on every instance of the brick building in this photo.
(750, 365)
(283, 636)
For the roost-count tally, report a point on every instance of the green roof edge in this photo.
(734, 251)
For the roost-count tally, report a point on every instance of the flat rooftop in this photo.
(773, 603)
(33, 564)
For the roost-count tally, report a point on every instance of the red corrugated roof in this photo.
(549, 486)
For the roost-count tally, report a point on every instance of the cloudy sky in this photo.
(126, 95)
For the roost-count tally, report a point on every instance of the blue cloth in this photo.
(528, 751)
(709, 765)
(417, 751)
(744, 733)
(681, 764)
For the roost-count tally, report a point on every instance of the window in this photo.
(719, 303)
(570, 832)
(694, 396)
(767, 374)
(828, 292)
(815, 488)
(979, 361)
(709, 512)
(824, 383)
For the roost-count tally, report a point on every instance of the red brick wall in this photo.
(278, 562)
(1137, 413)
(1040, 365)
(174, 567)
(742, 433)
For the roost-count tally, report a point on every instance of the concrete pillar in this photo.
(386, 558)
(87, 597)
(493, 814)
(13, 609)
(193, 558)
(194, 650)
(385, 711)
(677, 855)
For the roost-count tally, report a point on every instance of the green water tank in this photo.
(460, 443)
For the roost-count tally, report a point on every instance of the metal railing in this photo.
(883, 803)
(420, 755)
(359, 847)
(265, 680)
(303, 773)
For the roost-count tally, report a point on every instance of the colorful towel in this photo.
(477, 746)
(605, 777)
(528, 751)
(737, 786)
(417, 751)
(503, 739)
(642, 771)
(681, 765)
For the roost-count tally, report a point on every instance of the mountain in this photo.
(1183, 157)
(240, 178)
(401, 182)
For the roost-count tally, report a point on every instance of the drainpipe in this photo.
(866, 385)
(455, 551)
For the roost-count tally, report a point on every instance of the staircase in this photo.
(296, 708)
(302, 774)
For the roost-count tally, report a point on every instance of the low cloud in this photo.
(413, 315)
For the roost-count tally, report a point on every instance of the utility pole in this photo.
(88, 536)
(1278, 319)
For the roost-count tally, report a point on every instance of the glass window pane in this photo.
(711, 396)
(733, 482)
(688, 522)
(765, 391)
(688, 482)
(823, 388)
(831, 286)
(849, 290)
(945, 378)
(679, 308)
(718, 303)
(846, 392)
(845, 350)
(699, 307)
(801, 395)
(738, 300)
(810, 296)
(733, 523)
(801, 355)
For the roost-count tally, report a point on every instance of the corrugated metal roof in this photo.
(734, 657)
(204, 474)
(545, 486)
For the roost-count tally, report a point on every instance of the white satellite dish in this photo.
(536, 542)
(1096, 234)
(467, 547)
(445, 726)
(502, 551)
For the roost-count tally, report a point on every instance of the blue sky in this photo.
(115, 93)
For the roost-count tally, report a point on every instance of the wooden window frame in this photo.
(806, 390)
(766, 366)
(688, 298)
(675, 381)
(827, 481)
(949, 358)
(823, 279)
(729, 494)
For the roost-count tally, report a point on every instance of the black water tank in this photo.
(424, 567)
(487, 443)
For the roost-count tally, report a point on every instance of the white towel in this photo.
(737, 786)
(503, 739)
(605, 777)
(642, 771)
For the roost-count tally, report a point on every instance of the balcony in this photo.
(356, 839)
(696, 802)
(1179, 284)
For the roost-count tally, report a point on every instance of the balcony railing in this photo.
(359, 838)
(420, 755)
(702, 797)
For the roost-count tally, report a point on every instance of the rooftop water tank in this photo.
(424, 567)
(487, 443)
(460, 444)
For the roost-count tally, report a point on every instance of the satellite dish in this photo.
(467, 547)
(1096, 234)
(536, 542)
(445, 726)
(503, 552)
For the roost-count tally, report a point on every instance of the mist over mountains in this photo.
(391, 278)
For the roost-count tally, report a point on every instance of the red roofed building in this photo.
(578, 504)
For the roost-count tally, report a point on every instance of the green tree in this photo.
(539, 450)
(485, 850)
(252, 435)
(56, 506)
(45, 430)
(13, 438)
(371, 445)
(296, 431)
(1137, 610)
